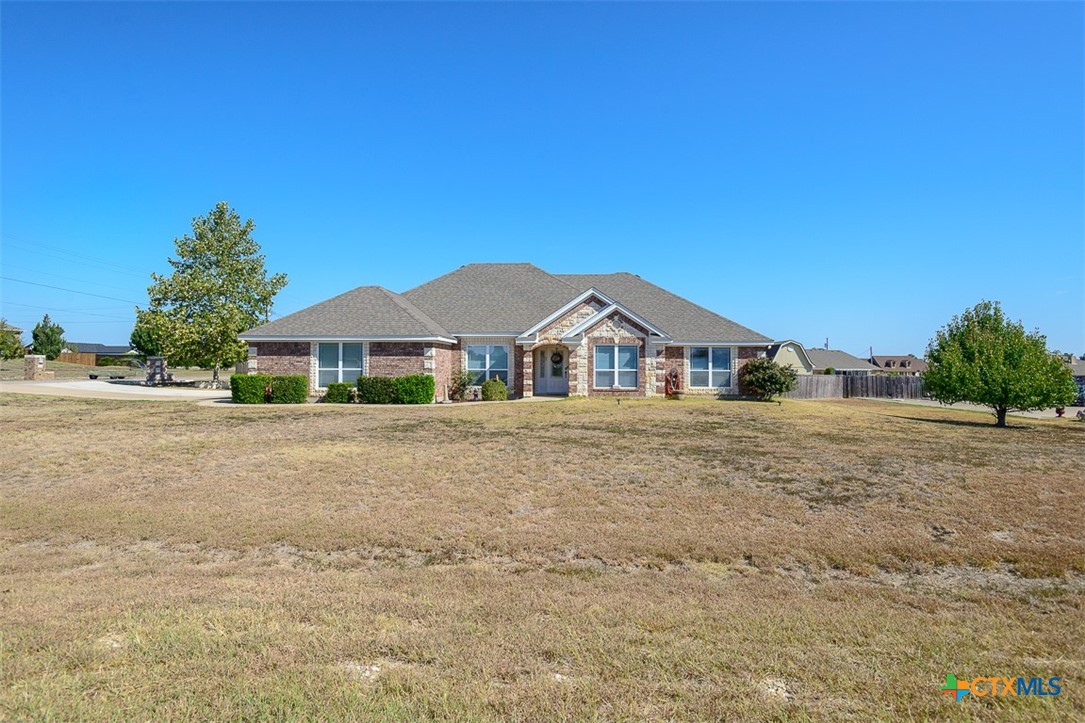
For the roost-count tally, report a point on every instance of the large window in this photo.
(616, 366)
(338, 363)
(488, 362)
(710, 366)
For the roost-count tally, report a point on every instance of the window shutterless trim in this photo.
(615, 370)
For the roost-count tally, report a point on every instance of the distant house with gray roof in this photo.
(840, 362)
(907, 365)
(541, 333)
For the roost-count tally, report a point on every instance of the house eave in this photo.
(311, 337)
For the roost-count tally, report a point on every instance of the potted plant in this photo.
(673, 385)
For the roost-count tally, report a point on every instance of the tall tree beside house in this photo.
(218, 289)
(48, 338)
(984, 358)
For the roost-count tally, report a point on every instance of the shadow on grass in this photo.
(963, 422)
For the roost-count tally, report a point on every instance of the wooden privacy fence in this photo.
(816, 386)
(86, 358)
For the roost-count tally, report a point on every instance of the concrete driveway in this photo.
(103, 389)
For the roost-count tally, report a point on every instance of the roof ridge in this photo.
(415, 313)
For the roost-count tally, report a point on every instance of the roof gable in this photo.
(683, 320)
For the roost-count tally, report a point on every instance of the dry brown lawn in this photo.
(535, 561)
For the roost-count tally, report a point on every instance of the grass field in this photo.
(535, 561)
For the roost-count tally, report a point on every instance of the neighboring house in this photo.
(1077, 368)
(791, 353)
(102, 350)
(908, 365)
(840, 362)
(541, 333)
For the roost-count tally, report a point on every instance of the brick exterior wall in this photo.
(442, 355)
(280, 357)
(395, 359)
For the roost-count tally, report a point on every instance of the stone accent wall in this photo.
(615, 330)
(280, 357)
(554, 331)
(525, 370)
(396, 359)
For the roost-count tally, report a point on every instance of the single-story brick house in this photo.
(543, 334)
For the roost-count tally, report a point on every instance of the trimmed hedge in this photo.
(414, 389)
(289, 389)
(377, 390)
(249, 388)
(338, 392)
(494, 390)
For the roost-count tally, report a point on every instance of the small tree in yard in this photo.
(144, 339)
(48, 338)
(11, 346)
(983, 358)
(218, 289)
(763, 378)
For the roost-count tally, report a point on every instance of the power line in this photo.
(66, 278)
(74, 291)
(68, 311)
(31, 244)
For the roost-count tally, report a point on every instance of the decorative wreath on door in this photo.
(555, 358)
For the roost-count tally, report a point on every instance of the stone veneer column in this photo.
(527, 357)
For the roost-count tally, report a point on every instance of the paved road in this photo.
(102, 389)
(1044, 414)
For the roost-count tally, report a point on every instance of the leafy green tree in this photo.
(218, 289)
(984, 358)
(11, 346)
(764, 378)
(144, 339)
(48, 338)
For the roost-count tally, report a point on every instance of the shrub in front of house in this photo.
(376, 390)
(248, 388)
(414, 389)
(338, 393)
(494, 390)
(763, 378)
(289, 389)
(460, 383)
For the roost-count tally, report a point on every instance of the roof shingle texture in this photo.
(492, 298)
(836, 359)
(487, 299)
(367, 311)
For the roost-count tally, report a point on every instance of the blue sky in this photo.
(852, 171)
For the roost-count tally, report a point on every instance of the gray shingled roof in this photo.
(94, 348)
(839, 360)
(367, 311)
(492, 298)
(683, 320)
(496, 299)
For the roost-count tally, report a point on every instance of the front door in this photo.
(551, 364)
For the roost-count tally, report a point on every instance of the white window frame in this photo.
(730, 366)
(339, 364)
(615, 369)
(486, 370)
